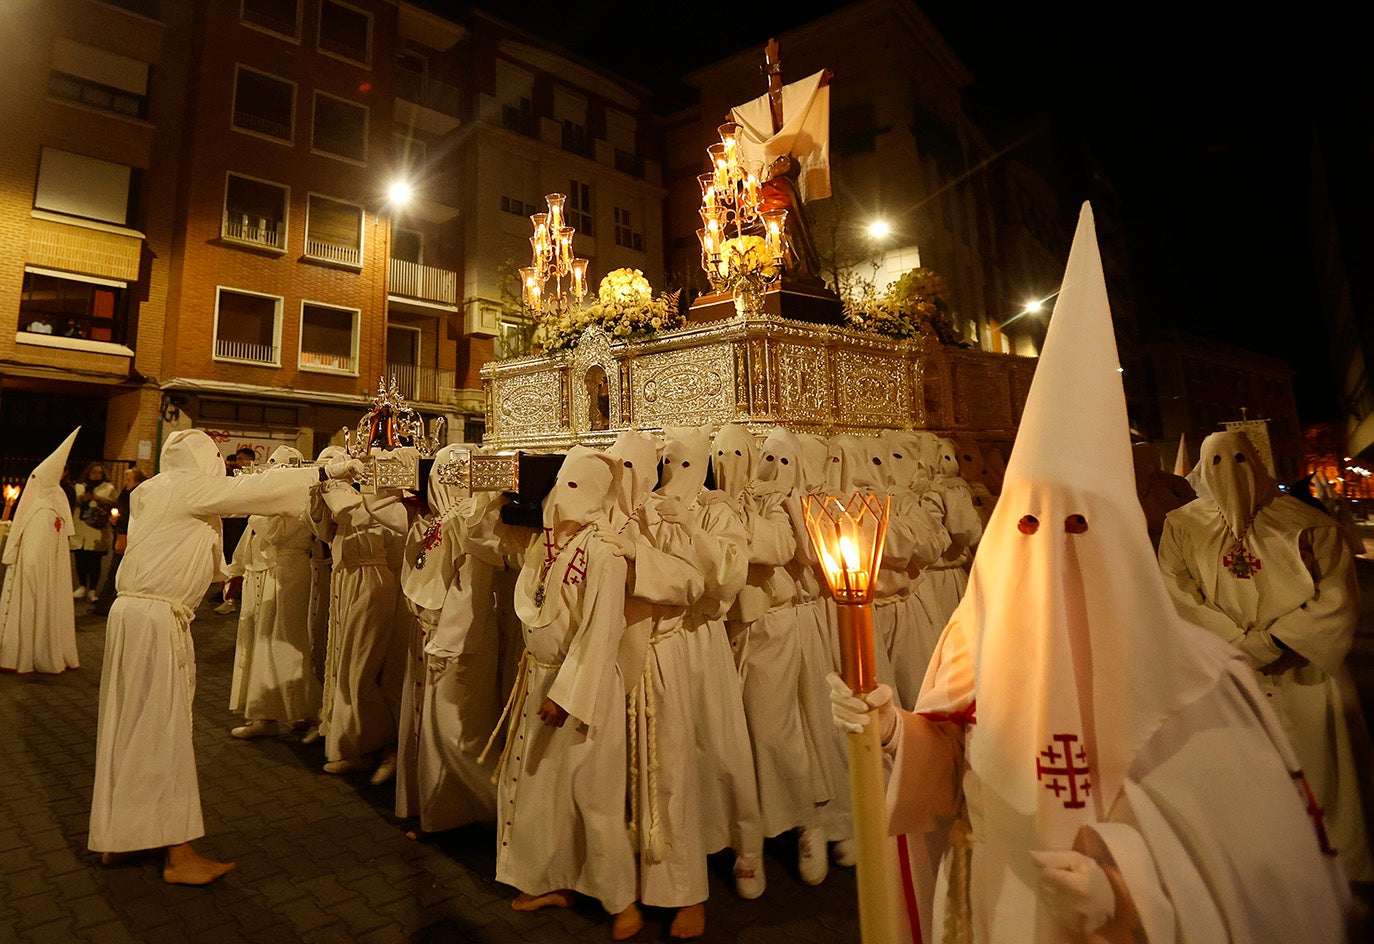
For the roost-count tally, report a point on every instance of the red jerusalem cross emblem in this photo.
(1241, 564)
(577, 568)
(1064, 778)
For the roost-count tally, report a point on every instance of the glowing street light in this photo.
(399, 193)
(879, 229)
(1035, 306)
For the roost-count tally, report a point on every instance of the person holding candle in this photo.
(37, 618)
(119, 524)
(1083, 763)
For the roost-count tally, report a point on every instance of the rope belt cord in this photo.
(958, 906)
(181, 643)
(518, 693)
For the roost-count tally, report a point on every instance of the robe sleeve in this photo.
(1322, 628)
(772, 541)
(664, 578)
(279, 492)
(601, 623)
(915, 539)
(722, 552)
(961, 518)
(1185, 590)
(318, 514)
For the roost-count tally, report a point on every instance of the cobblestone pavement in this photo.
(320, 858)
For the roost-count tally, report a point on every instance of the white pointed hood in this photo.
(1077, 649)
(779, 462)
(190, 450)
(1181, 464)
(634, 462)
(1235, 478)
(734, 459)
(686, 454)
(43, 491)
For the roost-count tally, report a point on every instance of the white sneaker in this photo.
(255, 729)
(749, 878)
(92, 596)
(78, 593)
(811, 856)
(346, 766)
(226, 607)
(385, 770)
(844, 853)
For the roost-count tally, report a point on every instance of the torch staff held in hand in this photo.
(848, 537)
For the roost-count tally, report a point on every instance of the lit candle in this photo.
(11, 496)
(711, 198)
(751, 190)
(579, 278)
(529, 279)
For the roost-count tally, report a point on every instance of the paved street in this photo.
(320, 858)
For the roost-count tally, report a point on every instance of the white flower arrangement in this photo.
(625, 309)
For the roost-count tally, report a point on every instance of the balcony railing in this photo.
(354, 150)
(431, 93)
(246, 351)
(267, 21)
(423, 384)
(344, 363)
(428, 283)
(344, 48)
(247, 228)
(261, 125)
(343, 255)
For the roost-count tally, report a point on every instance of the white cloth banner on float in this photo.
(805, 133)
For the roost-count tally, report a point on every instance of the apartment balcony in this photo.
(424, 103)
(246, 352)
(427, 284)
(423, 384)
(328, 363)
(255, 230)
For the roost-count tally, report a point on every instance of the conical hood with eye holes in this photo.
(779, 461)
(1076, 648)
(1235, 479)
(634, 461)
(686, 453)
(733, 457)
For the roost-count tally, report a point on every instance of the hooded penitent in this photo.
(780, 461)
(1077, 657)
(733, 459)
(634, 462)
(682, 467)
(37, 619)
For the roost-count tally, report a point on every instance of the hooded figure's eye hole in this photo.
(1029, 524)
(720, 452)
(784, 460)
(834, 458)
(1240, 457)
(768, 458)
(686, 464)
(896, 455)
(877, 461)
(1075, 524)
(629, 465)
(572, 485)
(1216, 460)
(737, 452)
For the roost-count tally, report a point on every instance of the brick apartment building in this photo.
(199, 223)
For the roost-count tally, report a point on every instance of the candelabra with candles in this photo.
(848, 537)
(11, 496)
(552, 260)
(732, 207)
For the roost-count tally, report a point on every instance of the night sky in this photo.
(1200, 118)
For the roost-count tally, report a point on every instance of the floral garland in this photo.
(625, 308)
(910, 307)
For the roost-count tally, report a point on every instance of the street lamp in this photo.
(848, 537)
(879, 229)
(398, 194)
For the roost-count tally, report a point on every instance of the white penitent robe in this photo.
(1304, 593)
(37, 620)
(274, 679)
(460, 693)
(146, 793)
(725, 757)
(561, 791)
(363, 609)
(666, 781)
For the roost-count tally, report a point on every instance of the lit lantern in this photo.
(848, 537)
(11, 496)
(579, 278)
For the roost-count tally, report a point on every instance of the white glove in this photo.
(343, 469)
(1075, 889)
(622, 544)
(851, 713)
